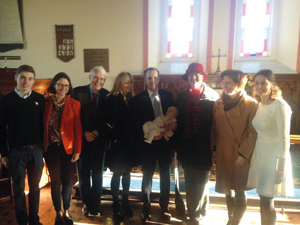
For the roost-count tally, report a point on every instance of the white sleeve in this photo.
(283, 114)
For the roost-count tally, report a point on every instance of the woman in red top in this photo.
(62, 138)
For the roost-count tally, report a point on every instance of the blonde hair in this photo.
(117, 87)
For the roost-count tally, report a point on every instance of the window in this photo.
(253, 28)
(180, 29)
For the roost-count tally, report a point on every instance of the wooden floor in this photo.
(217, 214)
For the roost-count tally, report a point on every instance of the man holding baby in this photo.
(148, 106)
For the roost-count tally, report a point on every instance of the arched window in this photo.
(180, 30)
(253, 33)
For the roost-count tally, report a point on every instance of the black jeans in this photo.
(19, 161)
(90, 165)
(60, 169)
(149, 163)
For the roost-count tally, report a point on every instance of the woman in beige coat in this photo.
(233, 140)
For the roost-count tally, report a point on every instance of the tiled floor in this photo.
(217, 214)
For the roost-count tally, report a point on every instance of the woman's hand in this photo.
(214, 157)
(240, 161)
(75, 157)
(279, 177)
(89, 136)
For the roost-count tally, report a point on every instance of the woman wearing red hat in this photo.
(195, 106)
(233, 138)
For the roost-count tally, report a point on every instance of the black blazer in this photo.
(143, 112)
(83, 94)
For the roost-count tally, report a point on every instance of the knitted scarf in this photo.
(192, 120)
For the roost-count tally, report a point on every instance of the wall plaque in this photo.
(95, 57)
(64, 42)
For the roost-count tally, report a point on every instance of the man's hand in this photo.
(214, 157)
(170, 126)
(89, 136)
(75, 157)
(240, 161)
(5, 162)
(158, 137)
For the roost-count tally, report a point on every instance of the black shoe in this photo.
(96, 211)
(117, 212)
(35, 223)
(127, 209)
(85, 210)
(166, 214)
(189, 218)
(68, 220)
(145, 216)
(59, 220)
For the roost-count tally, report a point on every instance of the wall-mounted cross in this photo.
(219, 56)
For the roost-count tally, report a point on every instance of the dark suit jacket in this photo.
(143, 112)
(83, 94)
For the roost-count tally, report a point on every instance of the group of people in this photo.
(247, 138)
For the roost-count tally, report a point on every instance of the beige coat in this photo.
(233, 134)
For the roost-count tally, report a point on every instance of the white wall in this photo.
(221, 22)
(288, 32)
(154, 35)
(113, 24)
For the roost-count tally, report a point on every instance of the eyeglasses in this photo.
(63, 85)
(97, 79)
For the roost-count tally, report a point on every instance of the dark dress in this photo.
(118, 114)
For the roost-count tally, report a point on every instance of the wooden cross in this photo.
(219, 56)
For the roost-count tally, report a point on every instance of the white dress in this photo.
(272, 123)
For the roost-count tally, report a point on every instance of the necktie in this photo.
(94, 104)
(156, 105)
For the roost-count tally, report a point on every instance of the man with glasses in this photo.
(91, 160)
(21, 136)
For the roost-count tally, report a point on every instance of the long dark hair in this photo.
(58, 76)
(275, 90)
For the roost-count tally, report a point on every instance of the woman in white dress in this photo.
(270, 170)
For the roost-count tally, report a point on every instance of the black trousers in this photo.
(148, 165)
(90, 165)
(196, 182)
(19, 161)
(60, 169)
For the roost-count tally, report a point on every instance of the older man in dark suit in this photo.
(147, 106)
(91, 97)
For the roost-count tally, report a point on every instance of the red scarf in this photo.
(192, 121)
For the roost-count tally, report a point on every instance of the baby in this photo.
(154, 128)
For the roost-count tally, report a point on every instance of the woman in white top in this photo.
(270, 170)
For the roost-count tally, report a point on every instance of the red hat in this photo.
(194, 67)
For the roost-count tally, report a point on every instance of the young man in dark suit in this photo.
(147, 106)
(21, 112)
(91, 97)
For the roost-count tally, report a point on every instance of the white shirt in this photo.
(21, 95)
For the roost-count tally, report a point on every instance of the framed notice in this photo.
(95, 57)
(64, 42)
